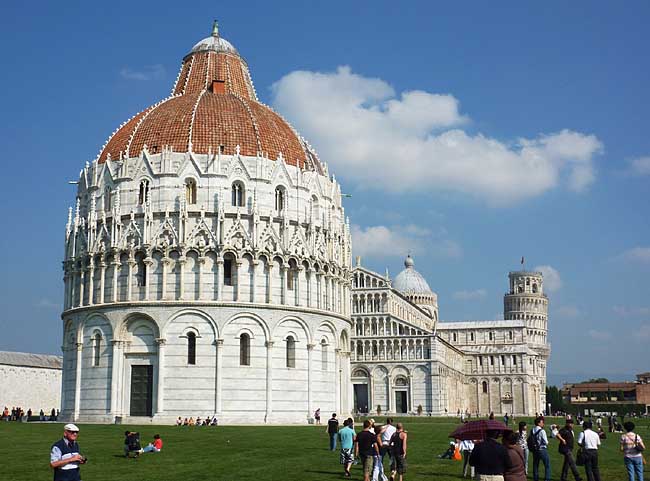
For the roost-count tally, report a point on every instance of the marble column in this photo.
(269, 283)
(310, 377)
(165, 267)
(82, 274)
(116, 273)
(102, 280)
(115, 372)
(337, 380)
(218, 381)
(91, 281)
(269, 381)
(129, 281)
(182, 260)
(253, 293)
(237, 287)
(77, 382)
(148, 262)
(200, 294)
(283, 279)
(219, 278)
(160, 392)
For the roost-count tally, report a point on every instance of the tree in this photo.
(597, 380)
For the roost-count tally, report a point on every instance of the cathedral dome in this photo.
(213, 108)
(410, 281)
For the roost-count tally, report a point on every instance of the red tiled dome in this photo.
(213, 103)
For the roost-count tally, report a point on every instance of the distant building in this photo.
(30, 381)
(594, 395)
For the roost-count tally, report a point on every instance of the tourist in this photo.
(366, 448)
(214, 421)
(64, 455)
(53, 415)
(333, 430)
(521, 440)
(29, 414)
(383, 438)
(506, 419)
(132, 443)
(517, 469)
(186, 422)
(491, 416)
(398, 452)
(198, 420)
(566, 438)
(538, 445)
(449, 453)
(346, 437)
(489, 458)
(466, 448)
(5, 414)
(191, 422)
(632, 446)
(590, 441)
(317, 416)
(154, 447)
(179, 421)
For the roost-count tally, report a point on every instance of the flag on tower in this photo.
(522, 260)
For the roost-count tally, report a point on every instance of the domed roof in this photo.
(213, 106)
(410, 281)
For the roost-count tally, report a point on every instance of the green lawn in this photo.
(233, 453)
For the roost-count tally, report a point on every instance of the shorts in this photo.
(398, 464)
(368, 464)
(347, 456)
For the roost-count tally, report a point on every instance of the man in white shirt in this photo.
(589, 440)
(383, 438)
(466, 448)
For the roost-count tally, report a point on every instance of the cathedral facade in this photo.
(404, 360)
(208, 271)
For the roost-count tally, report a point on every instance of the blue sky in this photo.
(471, 133)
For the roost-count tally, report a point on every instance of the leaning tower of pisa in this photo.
(525, 301)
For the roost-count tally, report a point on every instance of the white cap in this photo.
(71, 427)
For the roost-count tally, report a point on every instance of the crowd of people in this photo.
(488, 460)
(17, 413)
(206, 421)
(370, 448)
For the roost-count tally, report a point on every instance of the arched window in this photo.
(323, 351)
(143, 195)
(190, 191)
(280, 199)
(510, 335)
(141, 270)
(244, 350)
(237, 194)
(471, 336)
(227, 271)
(485, 387)
(535, 288)
(491, 336)
(454, 336)
(97, 347)
(291, 352)
(107, 199)
(191, 348)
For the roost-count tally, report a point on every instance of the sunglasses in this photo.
(76, 433)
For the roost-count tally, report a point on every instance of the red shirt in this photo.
(157, 444)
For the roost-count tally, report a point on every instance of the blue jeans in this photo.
(149, 449)
(541, 455)
(333, 437)
(634, 468)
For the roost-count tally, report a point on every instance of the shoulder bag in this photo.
(581, 455)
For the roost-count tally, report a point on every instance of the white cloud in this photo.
(397, 241)
(413, 141)
(636, 254)
(47, 304)
(552, 279)
(643, 334)
(640, 166)
(567, 312)
(474, 295)
(624, 311)
(148, 72)
(599, 335)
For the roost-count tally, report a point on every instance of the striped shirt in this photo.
(629, 442)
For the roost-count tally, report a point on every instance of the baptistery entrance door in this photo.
(401, 401)
(361, 398)
(141, 391)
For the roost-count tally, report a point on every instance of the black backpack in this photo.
(533, 441)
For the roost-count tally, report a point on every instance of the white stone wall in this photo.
(30, 387)
(267, 390)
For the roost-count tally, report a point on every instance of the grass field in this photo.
(234, 453)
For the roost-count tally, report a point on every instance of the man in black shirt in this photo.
(566, 439)
(489, 457)
(333, 430)
(366, 447)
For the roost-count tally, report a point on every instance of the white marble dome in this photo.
(416, 289)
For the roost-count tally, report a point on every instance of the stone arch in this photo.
(327, 329)
(301, 326)
(249, 315)
(195, 312)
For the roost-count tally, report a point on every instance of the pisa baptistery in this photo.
(207, 263)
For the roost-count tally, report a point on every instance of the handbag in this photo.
(457, 456)
(637, 446)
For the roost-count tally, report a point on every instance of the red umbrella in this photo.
(478, 429)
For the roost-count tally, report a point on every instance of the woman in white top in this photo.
(466, 448)
(630, 444)
(589, 440)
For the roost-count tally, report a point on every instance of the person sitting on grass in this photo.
(191, 422)
(132, 443)
(154, 447)
(214, 421)
(450, 451)
(179, 421)
(186, 422)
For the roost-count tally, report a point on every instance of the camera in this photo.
(83, 460)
